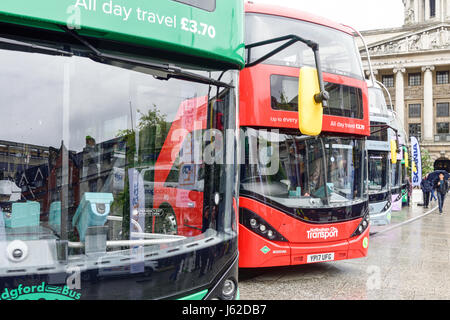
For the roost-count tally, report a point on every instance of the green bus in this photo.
(117, 148)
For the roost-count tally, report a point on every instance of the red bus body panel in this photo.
(186, 204)
(298, 247)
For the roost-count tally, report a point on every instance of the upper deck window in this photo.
(345, 101)
(208, 5)
(377, 102)
(377, 133)
(338, 52)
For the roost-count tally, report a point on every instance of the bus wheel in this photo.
(166, 223)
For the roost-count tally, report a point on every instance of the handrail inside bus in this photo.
(126, 243)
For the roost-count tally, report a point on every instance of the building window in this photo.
(441, 77)
(415, 130)
(414, 79)
(432, 8)
(388, 81)
(415, 110)
(442, 128)
(442, 110)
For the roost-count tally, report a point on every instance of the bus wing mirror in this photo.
(310, 109)
(393, 151)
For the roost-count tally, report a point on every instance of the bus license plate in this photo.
(320, 257)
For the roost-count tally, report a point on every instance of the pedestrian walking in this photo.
(432, 195)
(441, 190)
(427, 187)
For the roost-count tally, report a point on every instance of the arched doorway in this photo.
(442, 164)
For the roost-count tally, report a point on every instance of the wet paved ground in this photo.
(405, 262)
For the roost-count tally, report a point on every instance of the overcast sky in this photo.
(360, 14)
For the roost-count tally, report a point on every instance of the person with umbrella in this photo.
(427, 187)
(434, 176)
(441, 187)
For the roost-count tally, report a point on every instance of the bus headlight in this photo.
(258, 225)
(229, 289)
(387, 206)
(363, 225)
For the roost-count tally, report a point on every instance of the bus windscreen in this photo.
(338, 51)
(292, 171)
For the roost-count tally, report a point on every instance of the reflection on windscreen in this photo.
(378, 171)
(395, 174)
(302, 172)
(338, 51)
(91, 151)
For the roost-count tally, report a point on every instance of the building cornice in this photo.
(404, 28)
(410, 35)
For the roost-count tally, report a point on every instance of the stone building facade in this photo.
(413, 62)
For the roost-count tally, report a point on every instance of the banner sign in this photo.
(167, 25)
(137, 217)
(416, 163)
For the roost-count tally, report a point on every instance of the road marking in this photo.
(403, 223)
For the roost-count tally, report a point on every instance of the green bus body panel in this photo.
(196, 296)
(217, 35)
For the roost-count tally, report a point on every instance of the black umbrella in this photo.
(434, 176)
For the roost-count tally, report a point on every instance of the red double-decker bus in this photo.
(303, 199)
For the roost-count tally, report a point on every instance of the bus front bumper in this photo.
(379, 215)
(259, 252)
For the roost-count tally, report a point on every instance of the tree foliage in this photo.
(427, 162)
(151, 128)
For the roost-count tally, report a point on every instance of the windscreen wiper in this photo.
(9, 44)
(162, 71)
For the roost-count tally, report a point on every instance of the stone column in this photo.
(416, 11)
(428, 114)
(427, 10)
(400, 94)
(439, 10)
(447, 12)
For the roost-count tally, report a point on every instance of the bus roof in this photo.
(216, 33)
(286, 12)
